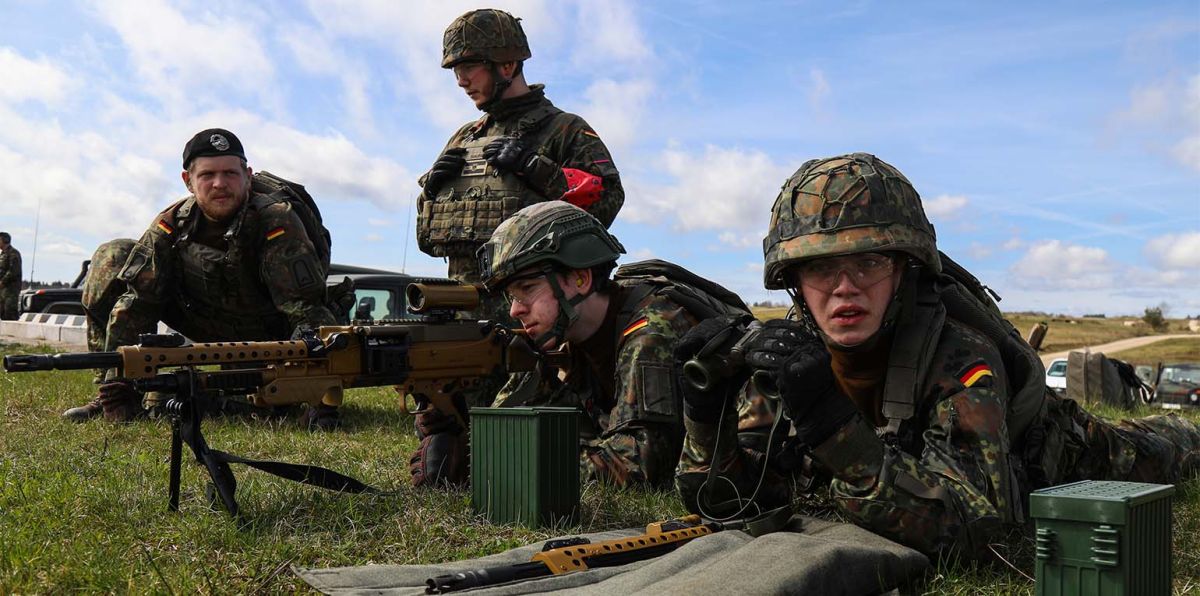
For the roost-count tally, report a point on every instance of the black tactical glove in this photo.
(711, 336)
(121, 402)
(447, 167)
(799, 365)
(440, 459)
(508, 154)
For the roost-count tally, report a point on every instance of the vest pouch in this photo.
(461, 222)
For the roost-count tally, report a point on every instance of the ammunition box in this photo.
(525, 465)
(1103, 538)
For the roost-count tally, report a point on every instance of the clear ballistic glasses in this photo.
(464, 70)
(524, 290)
(864, 270)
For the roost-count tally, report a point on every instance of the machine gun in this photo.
(431, 359)
(567, 555)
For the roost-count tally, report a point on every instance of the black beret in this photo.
(212, 142)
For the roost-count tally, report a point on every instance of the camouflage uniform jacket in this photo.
(948, 481)
(621, 380)
(260, 281)
(564, 138)
(10, 269)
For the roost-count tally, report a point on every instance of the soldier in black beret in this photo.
(233, 261)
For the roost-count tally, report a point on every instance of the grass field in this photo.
(83, 507)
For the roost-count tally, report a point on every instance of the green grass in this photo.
(83, 507)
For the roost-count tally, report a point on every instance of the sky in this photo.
(1056, 145)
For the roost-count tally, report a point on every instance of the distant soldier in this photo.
(927, 410)
(227, 263)
(10, 277)
(522, 151)
(552, 263)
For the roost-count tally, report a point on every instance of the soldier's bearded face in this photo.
(849, 314)
(221, 185)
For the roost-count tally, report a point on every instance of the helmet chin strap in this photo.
(499, 85)
(899, 308)
(567, 313)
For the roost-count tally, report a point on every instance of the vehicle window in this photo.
(1057, 369)
(1181, 374)
(376, 305)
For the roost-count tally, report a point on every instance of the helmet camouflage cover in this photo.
(843, 205)
(552, 234)
(484, 34)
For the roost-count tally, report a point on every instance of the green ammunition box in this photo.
(1103, 538)
(525, 465)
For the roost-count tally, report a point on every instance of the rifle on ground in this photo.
(431, 359)
(567, 555)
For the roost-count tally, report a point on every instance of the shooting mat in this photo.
(822, 558)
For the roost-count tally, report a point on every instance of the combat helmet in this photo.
(844, 205)
(548, 238)
(485, 34)
(553, 235)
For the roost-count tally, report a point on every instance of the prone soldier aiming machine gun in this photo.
(431, 359)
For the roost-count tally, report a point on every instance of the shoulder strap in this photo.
(913, 343)
(535, 119)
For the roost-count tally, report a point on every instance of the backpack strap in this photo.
(913, 343)
(535, 119)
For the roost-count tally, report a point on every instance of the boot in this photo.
(85, 412)
(120, 402)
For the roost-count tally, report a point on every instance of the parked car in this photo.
(1178, 386)
(59, 301)
(1056, 376)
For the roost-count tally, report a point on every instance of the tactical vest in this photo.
(467, 209)
(223, 290)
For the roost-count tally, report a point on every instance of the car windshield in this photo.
(1057, 369)
(1182, 373)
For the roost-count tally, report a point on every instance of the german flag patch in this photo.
(165, 227)
(638, 324)
(277, 232)
(975, 373)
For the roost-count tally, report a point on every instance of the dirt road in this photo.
(1122, 344)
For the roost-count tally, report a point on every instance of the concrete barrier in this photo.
(68, 331)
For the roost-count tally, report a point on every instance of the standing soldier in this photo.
(928, 411)
(522, 151)
(621, 330)
(10, 277)
(235, 261)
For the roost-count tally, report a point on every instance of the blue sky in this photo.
(1056, 144)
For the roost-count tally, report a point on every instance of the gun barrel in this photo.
(423, 297)
(76, 361)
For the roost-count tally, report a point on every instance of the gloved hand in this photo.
(121, 402)
(800, 366)
(432, 422)
(440, 459)
(447, 167)
(508, 154)
(711, 336)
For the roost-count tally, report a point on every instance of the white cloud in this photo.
(724, 189)
(641, 254)
(373, 238)
(1055, 265)
(979, 251)
(734, 240)
(1165, 117)
(607, 31)
(945, 206)
(615, 110)
(24, 79)
(1175, 251)
(379, 222)
(317, 54)
(1013, 244)
(181, 59)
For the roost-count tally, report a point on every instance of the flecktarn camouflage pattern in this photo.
(102, 288)
(484, 34)
(632, 427)
(10, 281)
(454, 221)
(258, 284)
(843, 205)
